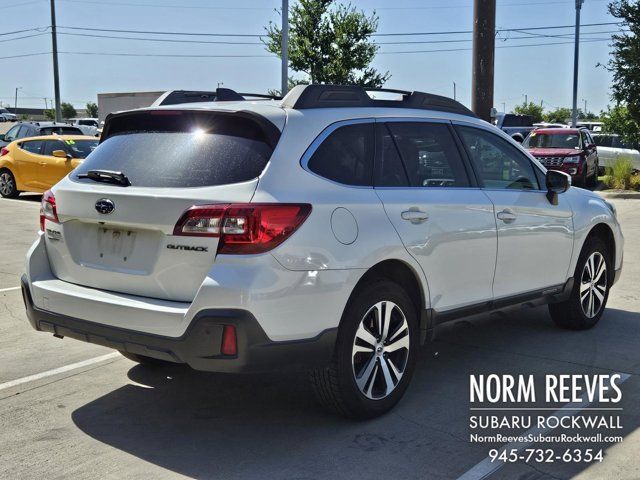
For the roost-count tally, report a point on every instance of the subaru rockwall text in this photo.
(328, 231)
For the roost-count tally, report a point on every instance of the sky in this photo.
(542, 73)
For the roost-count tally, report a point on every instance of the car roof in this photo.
(558, 131)
(59, 137)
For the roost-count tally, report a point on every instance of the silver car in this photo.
(328, 230)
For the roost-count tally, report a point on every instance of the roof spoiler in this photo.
(335, 96)
(177, 97)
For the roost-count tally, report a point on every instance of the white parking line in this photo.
(485, 468)
(9, 289)
(57, 371)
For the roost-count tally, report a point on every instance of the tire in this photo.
(145, 361)
(369, 396)
(8, 187)
(592, 181)
(574, 314)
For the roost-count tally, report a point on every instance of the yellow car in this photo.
(36, 164)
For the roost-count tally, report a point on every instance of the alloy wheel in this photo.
(593, 285)
(6, 184)
(380, 350)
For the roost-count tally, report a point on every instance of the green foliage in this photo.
(621, 174)
(92, 110)
(619, 120)
(24, 117)
(559, 115)
(329, 44)
(625, 58)
(530, 108)
(68, 111)
(50, 114)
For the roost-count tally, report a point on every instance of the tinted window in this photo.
(12, 133)
(32, 147)
(80, 148)
(60, 131)
(429, 154)
(25, 131)
(551, 140)
(51, 145)
(604, 140)
(346, 155)
(499, 164)
(225, 150)
(390, 171)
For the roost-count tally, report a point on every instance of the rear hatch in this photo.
(118, 235)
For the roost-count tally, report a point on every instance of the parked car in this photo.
(611, 147)
(570, 150)
(36, 164)
(89, 126)
(516, 126)
(550, 125)
(591, 126)
(7, 116)
(328, 230)
(35, 129)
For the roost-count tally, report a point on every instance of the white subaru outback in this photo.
(330, 230)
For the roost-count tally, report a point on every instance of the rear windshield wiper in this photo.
(107, 176)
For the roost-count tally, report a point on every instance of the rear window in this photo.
(517, 121)
(60, 131)
(183, 149)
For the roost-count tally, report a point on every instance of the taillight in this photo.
(48, 209)
(246, 228)
(4, 151)
(229, 342)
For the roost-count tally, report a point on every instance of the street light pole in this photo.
(285, 48)
(54, 49)
(15, 105)
(576, 55)
(454, 91)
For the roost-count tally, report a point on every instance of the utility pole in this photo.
(454, 91)
(504, 107)
(54, 49)
(285, 47)
(574, 113)
(484, 39)
(585, 107)
(15, 105)
(526, 99)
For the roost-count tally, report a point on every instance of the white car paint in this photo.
(609, 154)
(462, 255)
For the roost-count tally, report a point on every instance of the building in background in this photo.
(116, 102)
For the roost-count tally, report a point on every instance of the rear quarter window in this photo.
(346, 155)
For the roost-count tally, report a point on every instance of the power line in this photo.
(39, 29)
(25, 36)
(170, 55)
(26, 55)
(168, 40)
(163, 33)
(192, 7)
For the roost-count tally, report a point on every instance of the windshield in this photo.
(543, 140)
(81, 148)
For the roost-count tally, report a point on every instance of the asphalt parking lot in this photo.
(101, 416)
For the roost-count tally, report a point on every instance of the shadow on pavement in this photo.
(268, 426)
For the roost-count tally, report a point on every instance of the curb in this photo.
(625, 195)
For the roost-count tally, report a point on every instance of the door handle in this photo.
(415, 216)
(507, 216)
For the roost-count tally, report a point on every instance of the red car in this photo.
(570, 150)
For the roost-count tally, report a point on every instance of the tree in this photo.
(92, 110)
(50, 114)
(530, 108)
(559, 115)
(625, 61)
(619, 120)
(68, 111)
(329, 45)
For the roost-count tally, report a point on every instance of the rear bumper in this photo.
(199, 346)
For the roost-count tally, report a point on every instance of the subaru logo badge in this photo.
(105, 206)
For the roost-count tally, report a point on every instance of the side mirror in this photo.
(61, 154)
(557, 183)
(591, 146)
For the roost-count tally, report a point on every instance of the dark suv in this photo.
(570, 150)
(37, 129)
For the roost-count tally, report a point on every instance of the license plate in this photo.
(116, 243)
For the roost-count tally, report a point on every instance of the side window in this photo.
(12, 134)
(51, 145)
(499, 164)
(346, 155)
(390, 171)
(429, 154)
(25, 131)
(32, 147)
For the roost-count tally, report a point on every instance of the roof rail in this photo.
(176, 97)
(335, 96)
